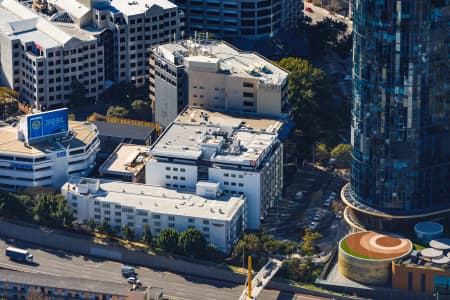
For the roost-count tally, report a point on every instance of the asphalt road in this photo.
(61, 263)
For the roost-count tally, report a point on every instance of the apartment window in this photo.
(248, 103)
(240, 176)
(247, 95)
(248, 84)
(226, 174)
(97, 209)
(168, 177)
(171, 218)
(167, 168)
(182, 170)
(233, 175)
(240, 184)
(182, 178)
(118, 213)
(226, 183)
(107, 212)
(175, 177)
(175, 169)
(191, 220)
(205, 222)
(171, 225)
(157, 224)
(156, 217)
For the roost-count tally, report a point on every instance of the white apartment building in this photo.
(214, 75)
(221, 220)
(49, 162)
(40, 60)
(240, 152)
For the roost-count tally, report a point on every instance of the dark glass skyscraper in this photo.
(400, 112)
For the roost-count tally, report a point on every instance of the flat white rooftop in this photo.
(126, 159)
(136, 7)
(83, 134)
(230, 60)
(161, 200)
(218, 137)
(18, 21)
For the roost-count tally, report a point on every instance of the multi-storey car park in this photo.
(48, 161)
(251, 19)
(221, 219)
(47, 47)
(241, 152)
(214, 75)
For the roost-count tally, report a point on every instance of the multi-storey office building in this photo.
(40, 60)
(401, 114)
(136, 26)
(94, 42)
(221, 220)
(234, 19)
(240, 152)
(48, 162)
(214, 75)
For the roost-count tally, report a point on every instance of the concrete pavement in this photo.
(60, 263)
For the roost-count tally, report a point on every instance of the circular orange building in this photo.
(366, 256)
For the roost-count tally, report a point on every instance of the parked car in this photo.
(313, 225)
(133, 280)
(327, 202)
(316, 217)
(309, 9)
(128, 271)
(348, 77)
(298, 196)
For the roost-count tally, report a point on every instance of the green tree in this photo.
(342, 154)
(307, 248)
(52, 210)
(142, 109)
(91, 224)
(249, 242)
(168, 239)
(8, 102)
(118, 112)
(325, 34)
(192, 242)
(147, 237)
(127, 232)
(105, 228)
(79, 92)
(309, 93)
(299, 270)
(11, 206)
(322, 155)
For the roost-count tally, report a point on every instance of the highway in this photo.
(183, 287)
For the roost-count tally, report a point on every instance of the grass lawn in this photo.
(347, 249)
(418, 246)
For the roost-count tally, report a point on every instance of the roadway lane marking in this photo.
(16, 268)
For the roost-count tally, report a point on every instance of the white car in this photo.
(313, 225)
(348, 77)
(133, 280)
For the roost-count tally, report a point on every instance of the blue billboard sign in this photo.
(47, 123)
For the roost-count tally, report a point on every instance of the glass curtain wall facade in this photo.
(401, 105)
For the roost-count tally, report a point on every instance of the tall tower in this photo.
(400, 129)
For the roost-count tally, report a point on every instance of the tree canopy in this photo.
(52, 210)
(192, 242)
(118, 112)
(342, 154)
(314, 110)
(127, 233)
(142, 109)
(147, 237)
(168, 239)
(79, 92)
(8, 102)
(307, 248)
